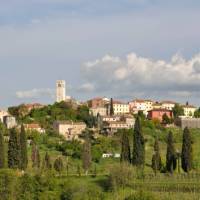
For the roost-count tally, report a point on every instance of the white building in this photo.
(10, 122)
(113, 118)
(169, 105)
(60, 91)
(114, 123)
(69, 129)
(3, 114)
(189, 110)
(143, 105)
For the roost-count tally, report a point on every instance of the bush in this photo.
(7, 184)
(120, 176)
(141, 196)
(80, 191)
(96, 153)
(27, 187)
(70, 148)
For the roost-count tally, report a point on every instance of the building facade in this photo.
(3, 113)
(69, 129)
(158, 114)
(143, 105)
(98, 102)
(112, 124)
(169, 105)
(189, 110)
(34, 127)
(188, 122)
(10, 122)
(120, 108)
(60, 91)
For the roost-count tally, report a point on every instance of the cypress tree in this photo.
(186, 156)
(35, 156)
(138, 144)
(38, 158)
(13, 150)
(171, 154)
(156, 159)
(111, 107)
(125, 149)
(78, 170)
(23, 149)
(2, 151)
(86, 156)
(58, 164)
(47, 161)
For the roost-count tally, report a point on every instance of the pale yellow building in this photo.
(69, 129)
(120, 108)
(169, 105)
(157, 106)
(189, 110)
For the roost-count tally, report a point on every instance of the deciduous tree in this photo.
(177, 110)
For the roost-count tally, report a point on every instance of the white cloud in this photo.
(135, 74)
(35, 93)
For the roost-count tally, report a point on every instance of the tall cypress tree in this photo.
(35, 156)
(138, 145)
(111, 107)
(171, 154)
(13, 150)
(38, 158)
(156, 159)
(2, 151)
(186, 156)
(125, 149)
(86, 155)
(23, 149)
(58, 164)
(47, 161)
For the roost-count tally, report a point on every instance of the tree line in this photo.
(137, 158)
(17, 153)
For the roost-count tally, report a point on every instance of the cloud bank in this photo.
(135, 75)
(36, 93)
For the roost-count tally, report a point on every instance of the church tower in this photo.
(60, 91)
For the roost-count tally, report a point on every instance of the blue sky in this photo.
(45, 40)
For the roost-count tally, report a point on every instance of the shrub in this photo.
(7, 184)
(80, 191)
(141, 196)
(120, 176)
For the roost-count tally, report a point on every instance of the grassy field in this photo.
(162, 186)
